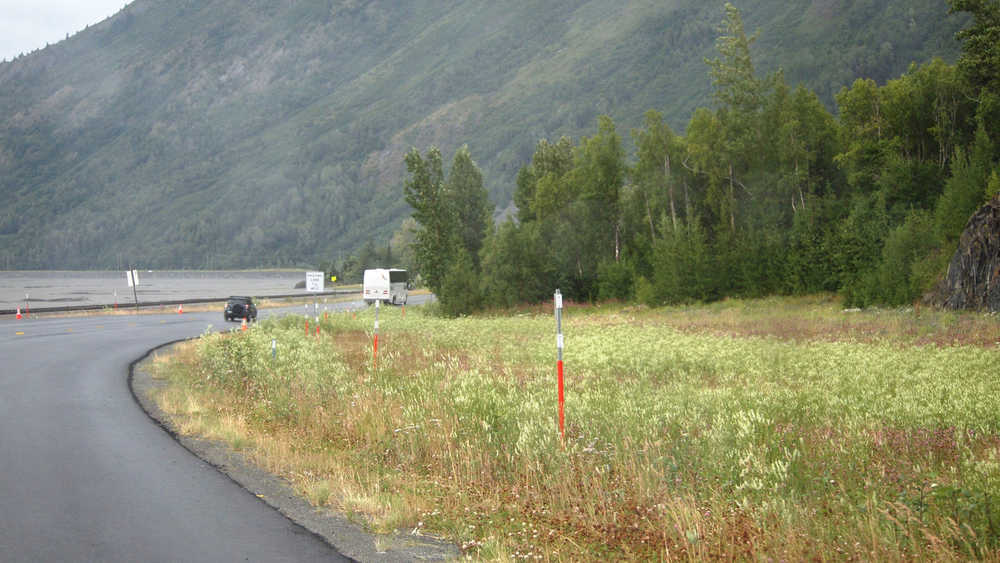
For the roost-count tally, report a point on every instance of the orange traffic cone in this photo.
(19, 312)
(244, 327)
(180, 309)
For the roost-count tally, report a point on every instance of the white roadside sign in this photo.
(314, 281)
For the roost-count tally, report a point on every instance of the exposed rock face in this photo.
(973, 280)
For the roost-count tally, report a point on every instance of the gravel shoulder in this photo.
(349, 538)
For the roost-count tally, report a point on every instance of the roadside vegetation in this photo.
(782, 428)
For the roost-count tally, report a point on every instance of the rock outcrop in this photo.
(973, 279)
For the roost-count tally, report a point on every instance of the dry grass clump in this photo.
(777, 429)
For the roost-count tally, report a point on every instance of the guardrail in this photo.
(141, 304)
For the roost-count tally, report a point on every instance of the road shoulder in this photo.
(347, 537)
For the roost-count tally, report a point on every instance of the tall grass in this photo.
(682, 441)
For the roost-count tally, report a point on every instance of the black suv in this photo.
(240, 308)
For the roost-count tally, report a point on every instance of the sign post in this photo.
(314, 281)
(133, 282)
(314, 284)
(559, 363)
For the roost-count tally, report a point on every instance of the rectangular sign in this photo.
(133, 278)
(314, 281)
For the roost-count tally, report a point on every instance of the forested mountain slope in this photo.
(247, 133)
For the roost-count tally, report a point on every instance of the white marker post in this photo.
(375, 348)
(559, 363)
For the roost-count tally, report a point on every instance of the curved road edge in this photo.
(347, 537)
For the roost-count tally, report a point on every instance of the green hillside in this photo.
(247, 133)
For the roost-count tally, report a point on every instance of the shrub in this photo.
(615, 280)
(460, 293)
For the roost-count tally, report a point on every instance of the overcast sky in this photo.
(26, 25)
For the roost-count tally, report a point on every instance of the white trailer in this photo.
(386, 285)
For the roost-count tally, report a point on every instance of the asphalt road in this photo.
(85, 475)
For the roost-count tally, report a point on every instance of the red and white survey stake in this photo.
(559, 363)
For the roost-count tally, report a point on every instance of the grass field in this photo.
(783, 429)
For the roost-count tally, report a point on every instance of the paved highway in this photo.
(86, 476)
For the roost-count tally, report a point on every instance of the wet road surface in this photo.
(86, 476)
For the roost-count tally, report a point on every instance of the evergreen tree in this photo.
(809, 263)
(517, 266)
(963, 193)
(858, 249)
(980, 60)
(739, 95)
(684, 269)
(993, 186)
(459, 293)
(899, 280)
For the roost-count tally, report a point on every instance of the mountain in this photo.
(248, 133)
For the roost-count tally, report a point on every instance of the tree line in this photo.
(766, 192)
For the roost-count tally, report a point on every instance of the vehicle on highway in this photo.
(386, 285)
(239, 307)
